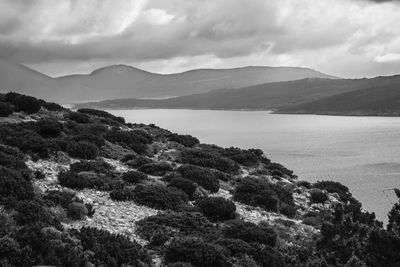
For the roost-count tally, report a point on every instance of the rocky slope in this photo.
(87, 189)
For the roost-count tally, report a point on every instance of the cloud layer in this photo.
(349, 38)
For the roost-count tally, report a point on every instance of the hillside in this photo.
(281, 97)
(376, 100)
(86, 188)
(121, 81)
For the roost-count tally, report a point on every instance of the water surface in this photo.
(360, 152)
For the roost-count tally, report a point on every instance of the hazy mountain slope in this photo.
(18, 78)
(381, 100)
(122, 81)
(264, 96)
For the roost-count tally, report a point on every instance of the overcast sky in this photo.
(347, 38)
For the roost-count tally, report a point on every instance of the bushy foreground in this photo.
(176, 175)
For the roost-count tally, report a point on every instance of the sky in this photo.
(346, 38)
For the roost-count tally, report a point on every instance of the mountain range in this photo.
(122, 81)
(375, 96)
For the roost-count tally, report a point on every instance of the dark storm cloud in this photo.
(284, 32)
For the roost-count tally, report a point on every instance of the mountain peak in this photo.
(118, 69)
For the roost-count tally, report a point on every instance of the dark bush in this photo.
(160, 197)
(270, 257)
(81, 180)
(210, 160)
(98, 166)
(288, 210)
(77, 211)
(82, 150)
(158, 169)
(217, 208)
(101, 113)
(62, 198)
(236, 247)
(250, 232)
(249, 157)
(183, 184)
(202, 176)
(112, 250)
(304, 184)
(182, 223)
(197, 252)
(78, 117)
(180, 264)
(32, 211)
(53, 106)
(123, 194)
(138, 161)
(334, 187)
(27, 104)
(93, 138)
(132, 139)
(14, 186)
(133, 177)
(5, 109)
(185, 140)
(256, 192)
(49, 127)
(318, 196)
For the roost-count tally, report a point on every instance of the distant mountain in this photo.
(376, 96)
(268, 96)
(121, 81)
(381, 97)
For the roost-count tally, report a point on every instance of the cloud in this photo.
(176, 35)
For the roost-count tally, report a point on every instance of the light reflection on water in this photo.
(360, 152)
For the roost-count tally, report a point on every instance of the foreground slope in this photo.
(86, 188)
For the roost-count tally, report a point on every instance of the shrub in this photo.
(133, 177)
(101, 113)
(249, 157)
(183, 184)
(132, 139)
(77, 211)
(49, 127)
(82, 150)
(53, 106)
(112, 250)
(80, 181)
(256, 192)
(202, 176)
(180, 264)
(14, 186)
(250, 232)
(197, 252)
(267, 256)
(217, 208)
(209, 160)
(185, 140)
(122, 194)
(5, 109)
(98, 166)
(304, 184)
(318, 196)
(160, 197)
(93, 138)
(288, 210)
(33, 211)
(62, 198)
(182, 223)
(138, 161)
(236, 247)
(78, 117)
(334, 187)
(27, 104)
(158, 169)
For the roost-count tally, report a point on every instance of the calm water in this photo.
(360, 152)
